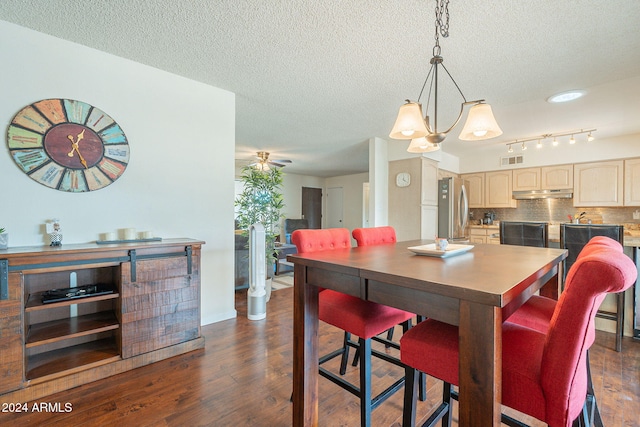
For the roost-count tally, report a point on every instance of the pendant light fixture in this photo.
(410, 123)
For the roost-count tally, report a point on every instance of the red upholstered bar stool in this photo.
(543, 375)
(383, 235)
(354, 316)
(537, 312)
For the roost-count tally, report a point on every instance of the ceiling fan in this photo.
(264, 163)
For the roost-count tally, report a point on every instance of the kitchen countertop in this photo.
(554, 233)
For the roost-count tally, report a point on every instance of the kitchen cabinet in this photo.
(526, 179)
(147, 309)
(482, 234)
(598, 184)
(11, 330)
(557, 177)
(632, 182)
(476, 189)
(498, 192)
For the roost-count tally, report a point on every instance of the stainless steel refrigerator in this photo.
(453, 208)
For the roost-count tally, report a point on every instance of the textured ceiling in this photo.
(315, 80)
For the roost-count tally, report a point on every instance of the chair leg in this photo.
(389, 336)
(583, 418)
(619, 320)
(446, 397)
(410, 401)
(345, 354)
(365, 382)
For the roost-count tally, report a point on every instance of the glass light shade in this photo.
(421, 145)
(480, 124)
(409, 123)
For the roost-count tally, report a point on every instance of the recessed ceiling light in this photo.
(567, 96)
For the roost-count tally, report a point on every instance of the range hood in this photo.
(544, 194)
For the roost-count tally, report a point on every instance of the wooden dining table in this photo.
(476, 290)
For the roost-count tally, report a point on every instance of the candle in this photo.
(129, 234)
(147, 234)
(109, 236)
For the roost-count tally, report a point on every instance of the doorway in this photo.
(312, 206)
(335, 207)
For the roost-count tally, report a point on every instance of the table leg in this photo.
(305, 350)
(480, 364)
(551, 288)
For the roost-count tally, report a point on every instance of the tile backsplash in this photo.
(555, 211)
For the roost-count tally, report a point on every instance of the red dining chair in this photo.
(382, 235)
(537, 312)
(544, 375)
(354, 316)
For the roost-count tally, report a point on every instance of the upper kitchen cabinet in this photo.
(632, 182)
(526, 179)
(498, 192)
(558, 177)
(598, 184)
(476, 189)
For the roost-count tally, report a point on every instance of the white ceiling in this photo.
(315, 80)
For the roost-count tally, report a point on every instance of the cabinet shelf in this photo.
(34, 302)
(67, 360)
(58, 330)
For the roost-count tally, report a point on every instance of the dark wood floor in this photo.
(243, 378)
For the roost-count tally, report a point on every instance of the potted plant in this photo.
(261, 201)
(4, 238)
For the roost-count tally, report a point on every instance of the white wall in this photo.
(292, 192)
(179, 182)
(594, 151)
(352, 198)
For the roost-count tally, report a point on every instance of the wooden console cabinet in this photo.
(152, 313)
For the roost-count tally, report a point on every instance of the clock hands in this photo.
(74, 147)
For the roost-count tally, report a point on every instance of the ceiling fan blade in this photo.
(281, 161)
(276, 164)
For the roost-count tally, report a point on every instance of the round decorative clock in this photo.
(68, 145)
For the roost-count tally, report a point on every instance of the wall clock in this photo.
(403, 179)
(68, 145)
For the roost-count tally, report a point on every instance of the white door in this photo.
(334, 208)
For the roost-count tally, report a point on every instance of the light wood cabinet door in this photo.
(476, 189)
(556, 177)
(526, 179)
(429, 182)
(632, 182)
(162, 307)
(11, 336)
(477, 239)
(498, 190)
(598, 184)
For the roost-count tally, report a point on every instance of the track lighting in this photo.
(555, 137)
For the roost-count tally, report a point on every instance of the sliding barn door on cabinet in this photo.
(161, 307)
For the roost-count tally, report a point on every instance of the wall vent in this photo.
(512, 160)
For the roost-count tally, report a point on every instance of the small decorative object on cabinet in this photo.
(92, 311)
(54, 230)
(4, 238)
(68, 145)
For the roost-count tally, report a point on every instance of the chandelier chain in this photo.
(442, 27)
